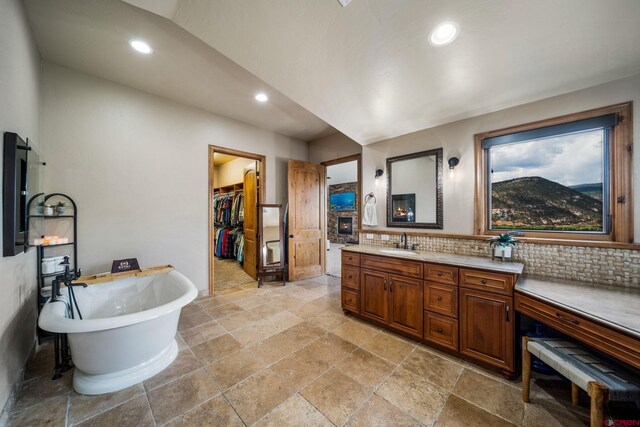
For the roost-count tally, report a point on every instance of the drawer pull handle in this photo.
(439, 273)
(508, 309)
(439, 298)
(439, 330)
(385, 285)
(565, 319)
(483, 281)
(391, 285)
(349, 277)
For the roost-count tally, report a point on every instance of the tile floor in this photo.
(288, 356)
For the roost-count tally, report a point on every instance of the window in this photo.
(568, 177)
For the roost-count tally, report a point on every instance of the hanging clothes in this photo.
(228, 209)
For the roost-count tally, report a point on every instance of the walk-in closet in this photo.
(234, 194)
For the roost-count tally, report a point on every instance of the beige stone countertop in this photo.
(439, 258)
(613, 306)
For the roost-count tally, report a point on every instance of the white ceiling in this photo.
(342, 172)
(368, 70)
(92, 36)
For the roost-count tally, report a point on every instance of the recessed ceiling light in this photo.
(444, 33)
(261, 97)
(140, 46)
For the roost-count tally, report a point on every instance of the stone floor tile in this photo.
(188, 321)
(224, 310)
(442, 372)
(266, 328)
(42, 362)
(330, 348)
(460, 413)
(82, 407)
(201, 333)
(336, 395)
(185, 363)
(547, 413)
(377, 412)
(234, 368)
(389, 347)
(328, 320)
(51, 412)
(256, 396)
(177, 397)
(490, 394)
(413, 395)
(181, 344)
(42, 388)
(296, 411)
(356, 332)
(133, 413)
(215, 349)
(299, 369)
(366, 368)
(277, 346)
(237, 321)
(213, 413)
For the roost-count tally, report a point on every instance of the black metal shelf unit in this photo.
(43, 278)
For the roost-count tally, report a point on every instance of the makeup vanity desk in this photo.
(606, 318)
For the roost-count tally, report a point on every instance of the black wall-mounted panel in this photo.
(14, 194)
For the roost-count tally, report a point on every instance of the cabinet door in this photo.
(487, 327)
(374, 295)
(406, 304)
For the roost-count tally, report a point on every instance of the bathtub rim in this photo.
(52, 317)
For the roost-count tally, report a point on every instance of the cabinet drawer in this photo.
(441, 274)
(598, 336)
(441, 330)
(350, 277)
(350, 258)
(442, 299)
(392, 265)
(487, 281)
(350, 301)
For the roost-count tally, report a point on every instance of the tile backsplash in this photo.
(620, 267)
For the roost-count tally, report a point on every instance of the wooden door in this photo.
(406, 304)
(374, 295)
(487, 327)
(250, 184)
(306, 220)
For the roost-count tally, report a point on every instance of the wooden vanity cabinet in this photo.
(465, 310)
(487, 324)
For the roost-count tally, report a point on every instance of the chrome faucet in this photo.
(405, 241)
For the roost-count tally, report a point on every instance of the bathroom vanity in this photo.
(460, 304)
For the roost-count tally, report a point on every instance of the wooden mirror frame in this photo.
(439, 200)
(262, 267)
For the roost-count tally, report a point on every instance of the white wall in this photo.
(332, 147)
(19, 112)
(136, 164)
(457, 139)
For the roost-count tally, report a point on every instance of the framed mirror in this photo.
(414, 190)
(271, 242)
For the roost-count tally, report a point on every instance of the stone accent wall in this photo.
(620, 267)
(332, 216)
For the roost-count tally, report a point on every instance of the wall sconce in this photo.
(453, 162)
(379, 173)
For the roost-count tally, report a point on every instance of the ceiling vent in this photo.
(344, 3)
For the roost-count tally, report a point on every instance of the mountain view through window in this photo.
(549, 184)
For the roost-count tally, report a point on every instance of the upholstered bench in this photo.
(601, 380)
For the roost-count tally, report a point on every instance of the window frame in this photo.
(620, 177)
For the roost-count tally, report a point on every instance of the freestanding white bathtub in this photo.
(128, 329)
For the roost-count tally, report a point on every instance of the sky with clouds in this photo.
(568, 159)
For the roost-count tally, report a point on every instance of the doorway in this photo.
(343, 189)
(236, 188)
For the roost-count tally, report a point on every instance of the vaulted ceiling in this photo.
(366, 69)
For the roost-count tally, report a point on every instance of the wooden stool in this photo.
(601, 380)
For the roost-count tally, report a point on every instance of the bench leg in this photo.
(575, 394)
(526, 370)
(599, 395)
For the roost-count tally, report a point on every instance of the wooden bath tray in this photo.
(109, 277)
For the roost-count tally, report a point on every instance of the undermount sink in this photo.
(398, 252)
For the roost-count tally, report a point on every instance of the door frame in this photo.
(358, 226)
(211, 185)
